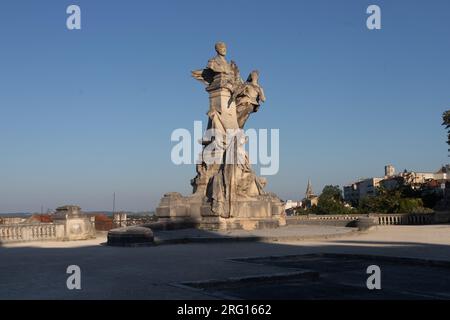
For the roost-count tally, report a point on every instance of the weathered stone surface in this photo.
(130, 236)
(77, 226)
(366, 223)
(161, 266)
(68, 224)
(226, 191)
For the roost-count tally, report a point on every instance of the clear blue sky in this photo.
(87, 113)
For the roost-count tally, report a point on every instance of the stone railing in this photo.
(11, 220)
(347, 217)
(331, 220)
(31, 232)
(404, 219)
(380, 219)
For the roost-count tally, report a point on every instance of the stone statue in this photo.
(248, 97)
(226, 191)
(229, 72)
(236, 100)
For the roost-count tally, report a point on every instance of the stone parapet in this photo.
(68, 224)
(32, 232)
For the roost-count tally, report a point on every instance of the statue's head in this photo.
(221, 48)
(253, 76)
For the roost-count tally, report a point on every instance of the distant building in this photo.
(11, 220)
(40, 218)
(120, 219)
(389, 170)
(368, 187)
(351, 194)
(311, 199)
(292, 204)
(391, 183)
(308, 201)
(360, 189)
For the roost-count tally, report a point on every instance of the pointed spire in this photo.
(309, 190)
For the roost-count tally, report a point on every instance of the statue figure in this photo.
(248, 97)
(226, 191)
(218, 65)
(234, 178)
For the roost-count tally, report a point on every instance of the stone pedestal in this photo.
(227, 194)
(77, 226)
(130, 236)
(265, 211)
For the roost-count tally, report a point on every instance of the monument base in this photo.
(262, 212)
(77, 226)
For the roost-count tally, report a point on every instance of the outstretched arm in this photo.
(205, 75)
(262, 97)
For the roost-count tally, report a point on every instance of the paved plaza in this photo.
(38, 270)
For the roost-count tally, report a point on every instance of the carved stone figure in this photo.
(226, 191)
(248, 97)
(219, 73)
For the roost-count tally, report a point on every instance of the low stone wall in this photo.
(442, 217)
(328, 220)
(405, 219)
(380, 219)
(74, 228)
(11, 220)
(32, 232)
(347, 217)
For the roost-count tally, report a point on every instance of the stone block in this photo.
(77, 226)
(130, 236)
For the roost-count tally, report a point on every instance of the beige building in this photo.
(360, 189)
(292, 204)
(368, 187)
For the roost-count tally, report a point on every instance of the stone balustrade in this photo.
(334, 217)
(69, 224)
(405, 219)
(32, 232)
(380, 219)
(11, 220)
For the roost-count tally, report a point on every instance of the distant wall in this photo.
(11, 220)
(32, 232)
(74, 228)
(380, 219)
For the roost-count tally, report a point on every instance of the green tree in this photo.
(401, 200)
(331, 202)
(446, 123)
(410, 205)
(382, 202)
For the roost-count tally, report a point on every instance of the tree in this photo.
(446, 123)
(383, 202)
(331, 202)
(331, 192)
(399, 200)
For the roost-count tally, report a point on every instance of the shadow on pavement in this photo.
(164, 272)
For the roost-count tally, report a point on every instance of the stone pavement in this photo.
(38, 271)
(287, 233)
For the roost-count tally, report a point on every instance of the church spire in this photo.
(309, 190)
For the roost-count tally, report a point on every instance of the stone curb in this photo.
(211, 283)
(400, 260)
(253, 238)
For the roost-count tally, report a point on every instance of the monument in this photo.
(77, 225)
(227, 194)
